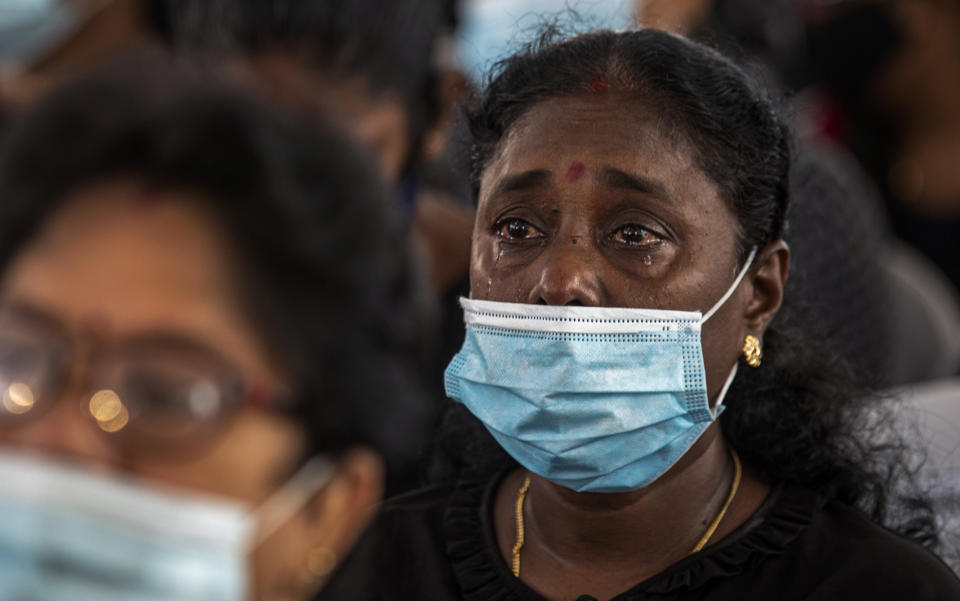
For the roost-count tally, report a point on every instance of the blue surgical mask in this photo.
(596, 399)
(77, 535)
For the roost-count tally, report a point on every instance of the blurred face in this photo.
(163, 377)
(589, 202)
(117, 276)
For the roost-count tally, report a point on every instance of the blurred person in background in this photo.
(209, 343)
(886, 77)
(387, 72)
(627, 271)
(384, 70)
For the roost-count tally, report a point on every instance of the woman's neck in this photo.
(602, 544)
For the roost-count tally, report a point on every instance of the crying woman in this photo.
(659, 434)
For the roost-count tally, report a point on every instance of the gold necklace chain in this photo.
(734, 487)
(518, 542)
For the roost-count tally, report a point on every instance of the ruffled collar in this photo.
(484, 576)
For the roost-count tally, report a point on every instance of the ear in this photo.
(767, 278)
(296, 561)
(342, 510)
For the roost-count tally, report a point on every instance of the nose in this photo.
(571, 275)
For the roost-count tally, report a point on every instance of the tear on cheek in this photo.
(575, 172)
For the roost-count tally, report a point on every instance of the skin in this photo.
(111, 267)
(677, 16)
(556, 226)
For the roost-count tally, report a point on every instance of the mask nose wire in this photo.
(732, 288)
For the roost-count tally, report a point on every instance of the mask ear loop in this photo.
(732, 288)
(291, 497)
(718, 408)
(716, 307)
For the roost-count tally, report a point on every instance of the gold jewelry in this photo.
(752, 351)
(518, 542)
(734, 487)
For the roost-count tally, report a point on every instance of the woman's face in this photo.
(143, 283)
(591, 201)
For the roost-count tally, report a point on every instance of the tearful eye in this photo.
(516, 229)
(635, 235)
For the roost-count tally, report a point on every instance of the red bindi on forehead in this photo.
(575, 172)
(600, 83)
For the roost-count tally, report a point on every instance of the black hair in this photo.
(801, 417)
(390, 45)
(320, 250)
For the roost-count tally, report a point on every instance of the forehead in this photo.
(132, 262)
(608, 128)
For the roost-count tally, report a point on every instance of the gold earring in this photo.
(751, 351)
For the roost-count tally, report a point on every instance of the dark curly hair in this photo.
(800, 418)
(319, 245)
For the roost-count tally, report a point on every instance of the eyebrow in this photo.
(615, 178)
(535, 178)
(160, 340)
(172, 341)
(28, 312)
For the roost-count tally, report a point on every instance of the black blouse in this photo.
(439, 543)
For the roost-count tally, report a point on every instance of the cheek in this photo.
(248, 460)
(483, 268)
(491, 277)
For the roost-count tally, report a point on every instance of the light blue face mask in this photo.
(69, 534)
(596, 399)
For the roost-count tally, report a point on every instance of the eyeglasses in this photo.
(160, 392)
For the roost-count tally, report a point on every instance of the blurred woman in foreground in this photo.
(209, 336)
(665, 438)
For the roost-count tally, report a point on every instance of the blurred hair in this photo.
(390, 45)
(800, 418)
(319, 248)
